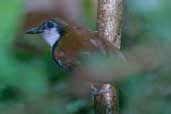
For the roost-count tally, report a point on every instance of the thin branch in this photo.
(109, 27)
(109, 17)
(107, 103)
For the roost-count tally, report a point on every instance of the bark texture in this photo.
(109, 17)
(107, 102)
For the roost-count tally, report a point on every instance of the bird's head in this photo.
(50, 30)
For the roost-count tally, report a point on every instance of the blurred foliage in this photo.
(90, 18)
(30, 82)
(146, 20)
(16, 76)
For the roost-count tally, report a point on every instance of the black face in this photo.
(45, 26)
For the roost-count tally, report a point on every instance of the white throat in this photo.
(51, 36)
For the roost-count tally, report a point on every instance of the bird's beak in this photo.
(35, 30)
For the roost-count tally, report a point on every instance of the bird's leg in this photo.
(95, 91)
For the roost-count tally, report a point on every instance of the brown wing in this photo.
(79, 41)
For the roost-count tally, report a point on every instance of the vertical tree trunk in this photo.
(109, 15)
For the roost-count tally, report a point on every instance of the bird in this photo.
(69, 43)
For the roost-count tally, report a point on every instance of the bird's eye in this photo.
(49, 25)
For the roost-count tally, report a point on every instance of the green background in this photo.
(31, 83)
